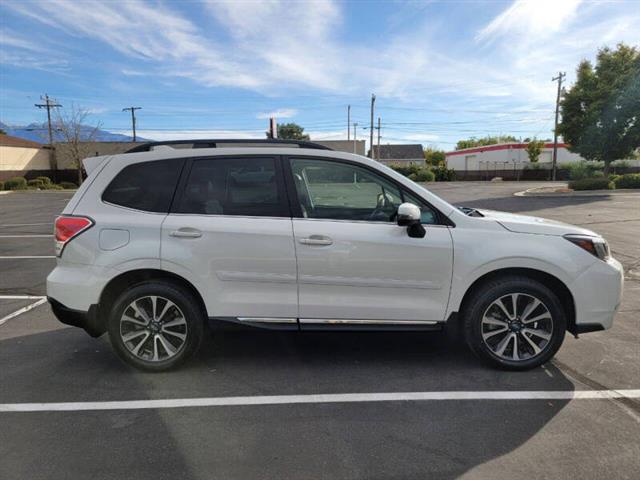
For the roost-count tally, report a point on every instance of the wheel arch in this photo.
(556, 285)
(126, 280)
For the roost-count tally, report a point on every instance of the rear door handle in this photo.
(316, 240)
(186, 233)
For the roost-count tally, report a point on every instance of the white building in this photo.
(505, 156)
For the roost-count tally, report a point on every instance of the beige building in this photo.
(18, 155)
(349, 146)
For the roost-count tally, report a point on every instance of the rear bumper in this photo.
(89, 321)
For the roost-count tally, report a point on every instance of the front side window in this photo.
(234, 186)
(146, 186)
(342, 191)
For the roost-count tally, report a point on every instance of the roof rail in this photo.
(215, 143)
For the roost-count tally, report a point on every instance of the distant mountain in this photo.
(38, 132)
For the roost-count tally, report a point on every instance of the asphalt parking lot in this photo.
(308, 435)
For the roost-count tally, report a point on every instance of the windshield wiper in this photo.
(470, 212)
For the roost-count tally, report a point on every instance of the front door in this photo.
(230, 234)
(354, 262)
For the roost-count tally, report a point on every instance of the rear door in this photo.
(355, 264)
(230, 233)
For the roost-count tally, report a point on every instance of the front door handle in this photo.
(316, 240)
(186, 233)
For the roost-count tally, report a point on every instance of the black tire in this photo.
(483, 298)
(186, 304)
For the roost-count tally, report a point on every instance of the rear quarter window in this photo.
(146, 186)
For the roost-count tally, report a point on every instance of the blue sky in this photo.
(441, 70)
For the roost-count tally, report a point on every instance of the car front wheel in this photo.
(515, 323)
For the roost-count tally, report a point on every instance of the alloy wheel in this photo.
(517, 327)
(153, 328)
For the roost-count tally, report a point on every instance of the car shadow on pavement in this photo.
(403, 439)
(529, 204)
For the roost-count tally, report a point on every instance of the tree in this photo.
(77, 135)
(291, 131)
(534, 149)
(484, 141)
(434, 157)
(2, 132)
(601, 112)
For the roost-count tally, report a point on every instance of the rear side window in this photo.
(147, 186)
(250, 186)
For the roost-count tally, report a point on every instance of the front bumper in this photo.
(89, 320)
(597, 295)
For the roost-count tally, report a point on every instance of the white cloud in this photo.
(280, 113)
(531, 18)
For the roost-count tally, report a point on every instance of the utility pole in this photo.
(348, 122)
(133, 118)
(373, 101)
(378, 152)
(50, 103)
(559, 79)
(355, 125)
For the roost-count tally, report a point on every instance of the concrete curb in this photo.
(7, 192)
(531, 192)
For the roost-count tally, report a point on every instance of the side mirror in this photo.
(409, 216)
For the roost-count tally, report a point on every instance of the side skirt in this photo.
(317, 324)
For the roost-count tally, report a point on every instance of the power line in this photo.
(133, 118)
(50, 103)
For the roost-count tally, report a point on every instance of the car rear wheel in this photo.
(515, 323)
(155, 326)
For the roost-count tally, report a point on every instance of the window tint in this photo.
(147, 186)
(428, 216)
(234, 186)
(341, 191)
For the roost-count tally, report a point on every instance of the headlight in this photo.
(596, 246)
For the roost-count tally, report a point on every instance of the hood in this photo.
(536, 225)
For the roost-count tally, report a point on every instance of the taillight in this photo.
(67, 228)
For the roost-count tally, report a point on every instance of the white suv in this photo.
(292, 235)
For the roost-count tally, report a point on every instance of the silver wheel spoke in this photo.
(504, 343)
(494, 321)
(181, 336)
(494, 332)
(155, 349)
(502, 306)
(536, 348)
(529, 309)
(176, 322)
(514, 304)
(136, 349)
(140, 312)
(514, 354)
(538, 333)
(130, 336)
(166, 308)
(154, 307)
(127, 318)
(542, 316)
(170, 349)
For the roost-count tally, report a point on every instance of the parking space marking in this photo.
(28, 236)
(21, 297)
(25, 257)
(318, 399)
(31, 306)
(24, 224)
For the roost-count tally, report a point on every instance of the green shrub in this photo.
(628, 180)
(44, 180)
(444, 174)
(594, 183)
(425, 175)
(1, 185)
(406, 170)
(53, 186)
(585, 169)
(16, 183)
(36, 183)
(68, 185)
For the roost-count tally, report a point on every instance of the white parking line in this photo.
(326, 398)
(25, 257)
(31, 306)
(27, 236)
(21, 297)
(25, 224)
